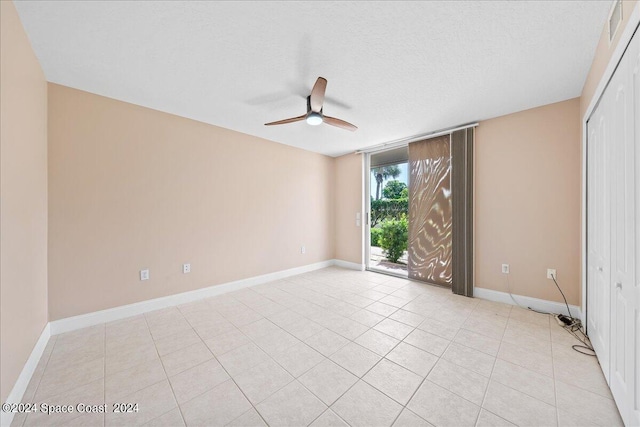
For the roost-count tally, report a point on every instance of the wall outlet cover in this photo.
(144, 274)
(505, 268)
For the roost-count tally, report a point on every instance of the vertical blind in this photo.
(440, 246)
(430, 221)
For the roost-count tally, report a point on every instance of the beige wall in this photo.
(133, 188)
(527, 201)
(23, 190)
(349, 201)
(602, 56)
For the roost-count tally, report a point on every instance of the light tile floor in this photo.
(329, 348)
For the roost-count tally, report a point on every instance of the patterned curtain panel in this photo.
(430, 217)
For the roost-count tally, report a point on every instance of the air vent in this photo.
(615, 18)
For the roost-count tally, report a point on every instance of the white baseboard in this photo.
(16, 394)
(524, 301)
(95, 318)
(348, 264)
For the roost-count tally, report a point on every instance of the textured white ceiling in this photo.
(395, 69)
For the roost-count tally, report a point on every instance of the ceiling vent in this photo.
(615, 18)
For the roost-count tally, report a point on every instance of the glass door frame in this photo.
(367, 216)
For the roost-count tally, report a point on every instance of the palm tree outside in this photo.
(383, 173)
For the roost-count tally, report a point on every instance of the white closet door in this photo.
(598, 276)
(624, 306)
(634, 313)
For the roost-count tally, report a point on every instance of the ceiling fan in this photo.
(314, 114)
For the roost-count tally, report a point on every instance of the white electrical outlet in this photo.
(186, 268)
(144, 274)
(505, 268)
(551, 274)
(303, 250)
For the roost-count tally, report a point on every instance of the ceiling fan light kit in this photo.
(314, 114)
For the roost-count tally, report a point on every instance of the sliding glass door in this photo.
(389, 208)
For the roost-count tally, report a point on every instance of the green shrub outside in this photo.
(394, 237)
(375, 236)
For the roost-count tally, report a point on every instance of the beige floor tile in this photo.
(492, 307)
(260, 328)
(488, 419)
(173, 418)
(328, 381)
(227, 342)
(128, 326)
(56, 381)
(381, 308)
(492, 326)
(385, 289)
(89, 394)
(407, 317)
(242, 358)
(276, 342)
(529, 316)
(293, 405)
(363, 405)
(162, 330)
(200, 318)
(413, 358)
(303, 329)
(329, 419)
(186, 358)
(367, 318)
(269, 308)
(409, 419)
(397, 330)
(151, 401)
(327, 342)
(219, 406)
(350, 329)
(518, 407)
(72, 353)
(212, 329)
(524, 380)
(377, 342)
(427, 341)
(298, 359)
(117, 344)
(195, 381)
(126, 382)
(395, 301)
(478, 342)
(525, 357)
(244, 318)
(538, 362)
(285, 317)
(355, 358)
(579, 370)
(584, 404)
(393, 380)
(128, 357)
(163, 316)
(262, 381)
(371, 294)
(441, 407)
(459, 380)
(470, 358)
(528, 342)
(176, 342)
(251, 418)
(438, 328)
